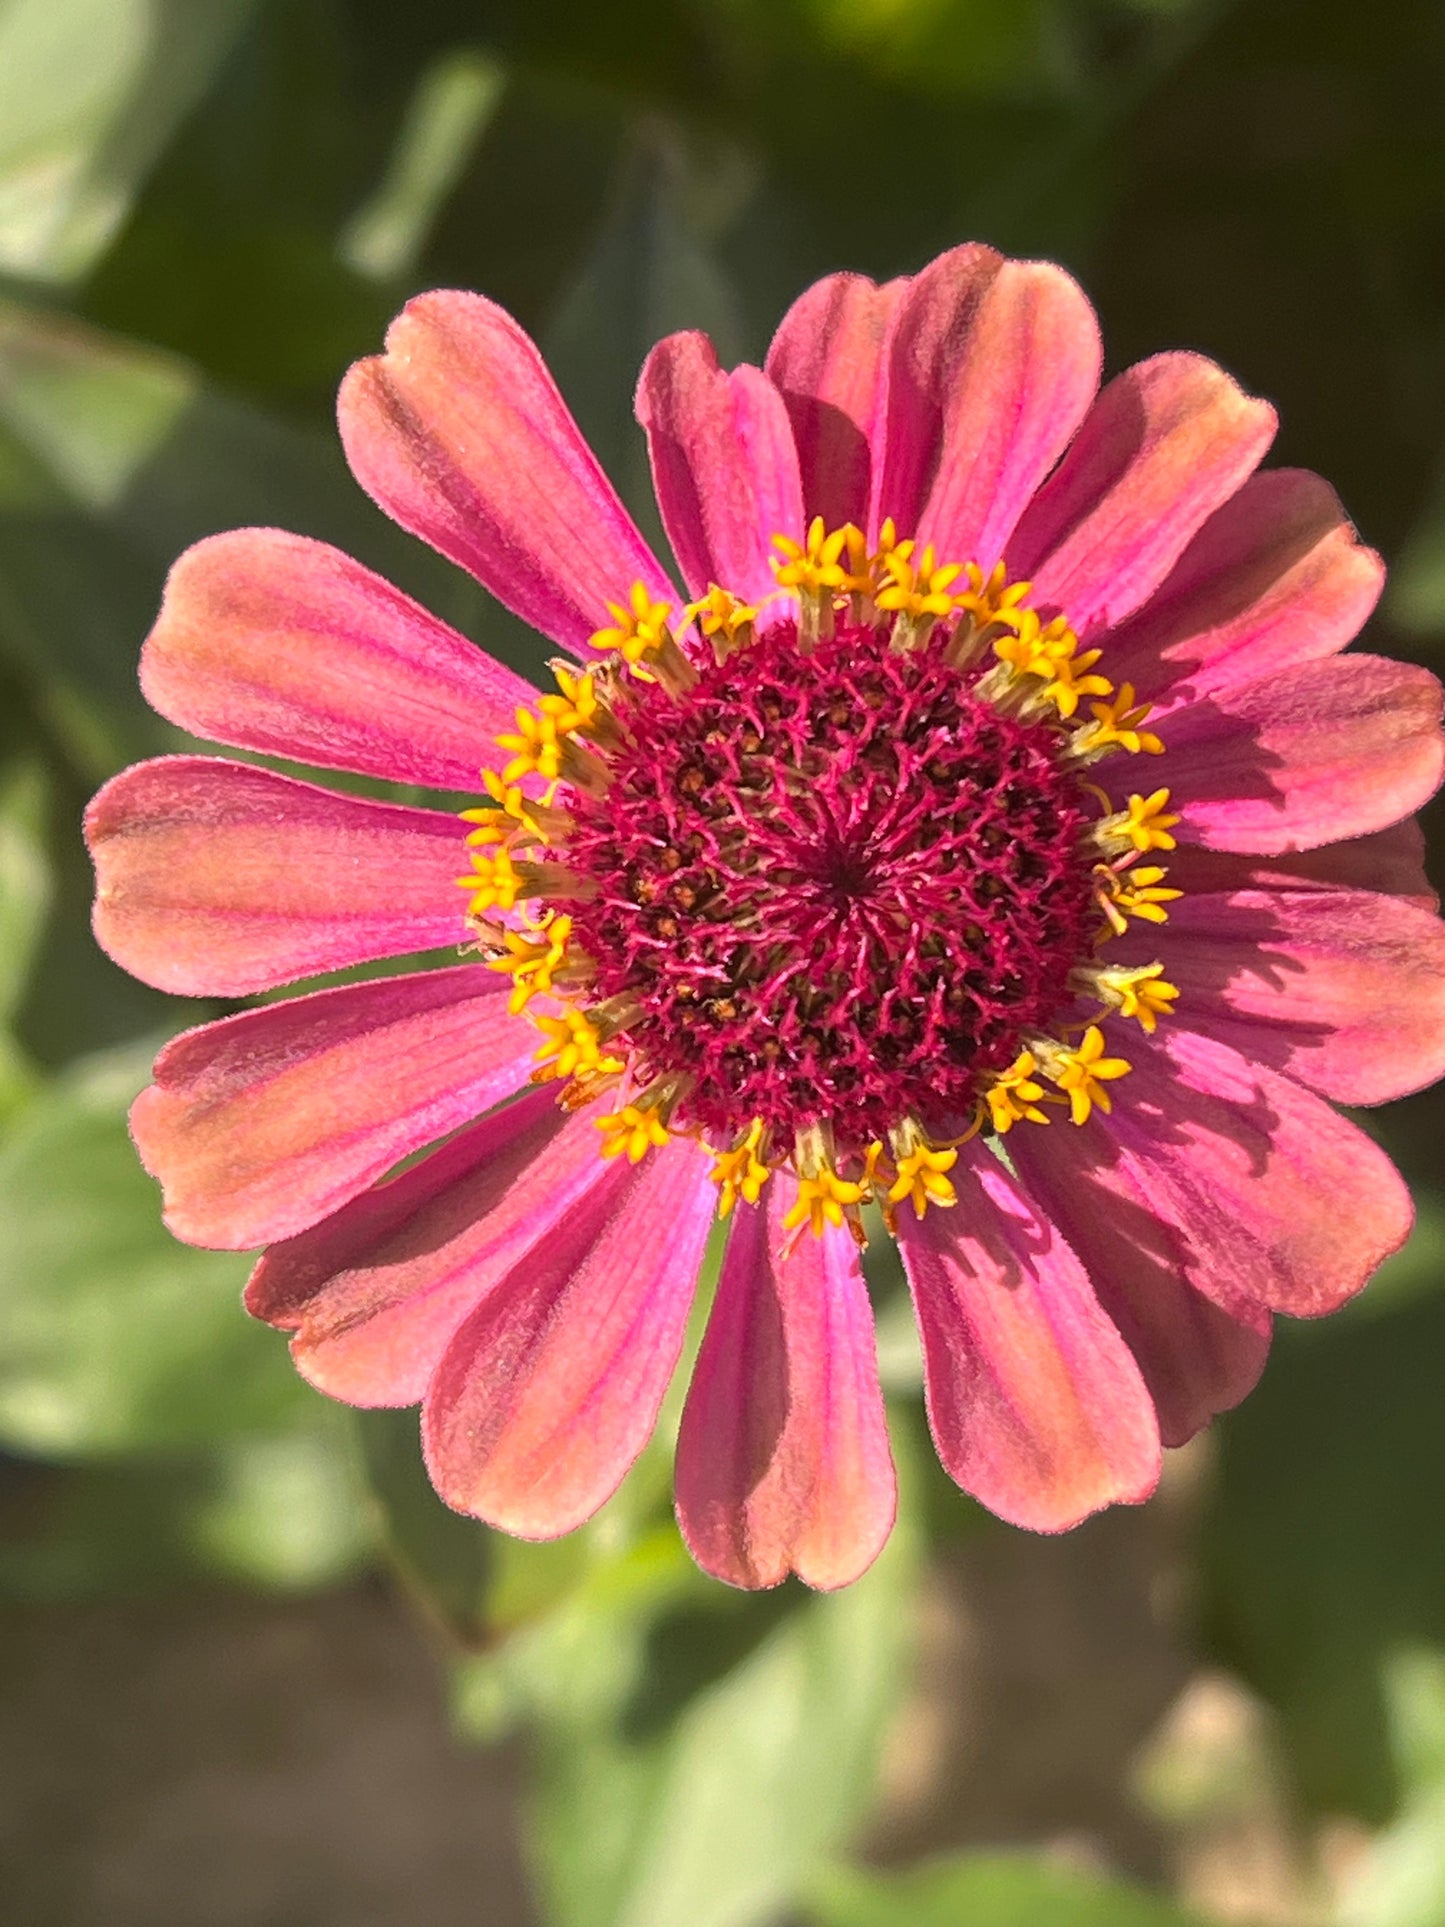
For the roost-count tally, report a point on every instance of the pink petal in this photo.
(1342, 989)
(551, 1388)
(375, 1292)
(1165, 444)
(828, 360)
(1273, 1197)
(1273, 579)
(782, 1461)
(992, 365)
(723, 463)
(1326, 750)
(215, 879)
(280, 644)
(459, 433)
(1036, 1404)
(1197, 1357)
(1389, 861)
(261, 1124)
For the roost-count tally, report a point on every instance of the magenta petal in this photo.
(1344, 990)
(1165, 444)
(375, 1292)
(1037, 1406)
(261, 1124)
(551, 1388)
(1197, 1357)
(1326, 750)
(828, 360)
(459, 433)
(992, 365)
(216, 879)
(723, 463)
(1274, 1198)
(1391, 862)
(782, 1461)
(276, 643)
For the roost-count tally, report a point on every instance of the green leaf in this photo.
(738, 1746)
(112, 459)
(90, 91)
(988, 1890)
(113, 1337)
(1400, 1880)
(445, 1559)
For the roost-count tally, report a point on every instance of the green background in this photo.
(254, 1672)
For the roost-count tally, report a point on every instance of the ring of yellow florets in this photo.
(531, 901)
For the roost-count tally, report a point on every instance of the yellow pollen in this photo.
(991, 598)
(813, 564)
(641, 627)
(1144, 824)
(1016, 1094)
(921, 1178)
(532, 966)
(633, 1131)
(536, 748)
(573, 1049)
(1142, 994)
(1133, 893)
(1116, 725)
(1083, 1072)
(722, 616)
(740, 1173)
(821, 1199)
(917, 589)
(495, 882)
(575, 706)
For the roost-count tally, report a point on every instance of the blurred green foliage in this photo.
(206, 208)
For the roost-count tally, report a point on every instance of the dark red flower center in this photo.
(836, 887)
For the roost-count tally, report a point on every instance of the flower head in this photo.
(802, 887)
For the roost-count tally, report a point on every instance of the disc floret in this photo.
(819, 879)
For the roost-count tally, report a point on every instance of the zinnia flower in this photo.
(988, 842)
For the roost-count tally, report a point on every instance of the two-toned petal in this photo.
(459, 432)
(273, 642)
(1037, 1405)
(217, 879)
(991, 367)
(551, 1387)
(1322, 751)
(375, 1292)
(1166, 444)
(724, 465)
(782, 1460)
(261, 1124)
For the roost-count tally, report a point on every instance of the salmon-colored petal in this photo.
(1342, 989)
(216, 879)
(261, 1124)
(782, 1461)
(276, 643)
(375, 1292)
(1165, 444)
(992, 365)
(460, 434)
(1197, 1357)
(1037, 1406)
(551, 1388)
(723, 463)
(1391, 862)
(1327, 750)
(1275, 1198)
(1274, 578)
(828, 360)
